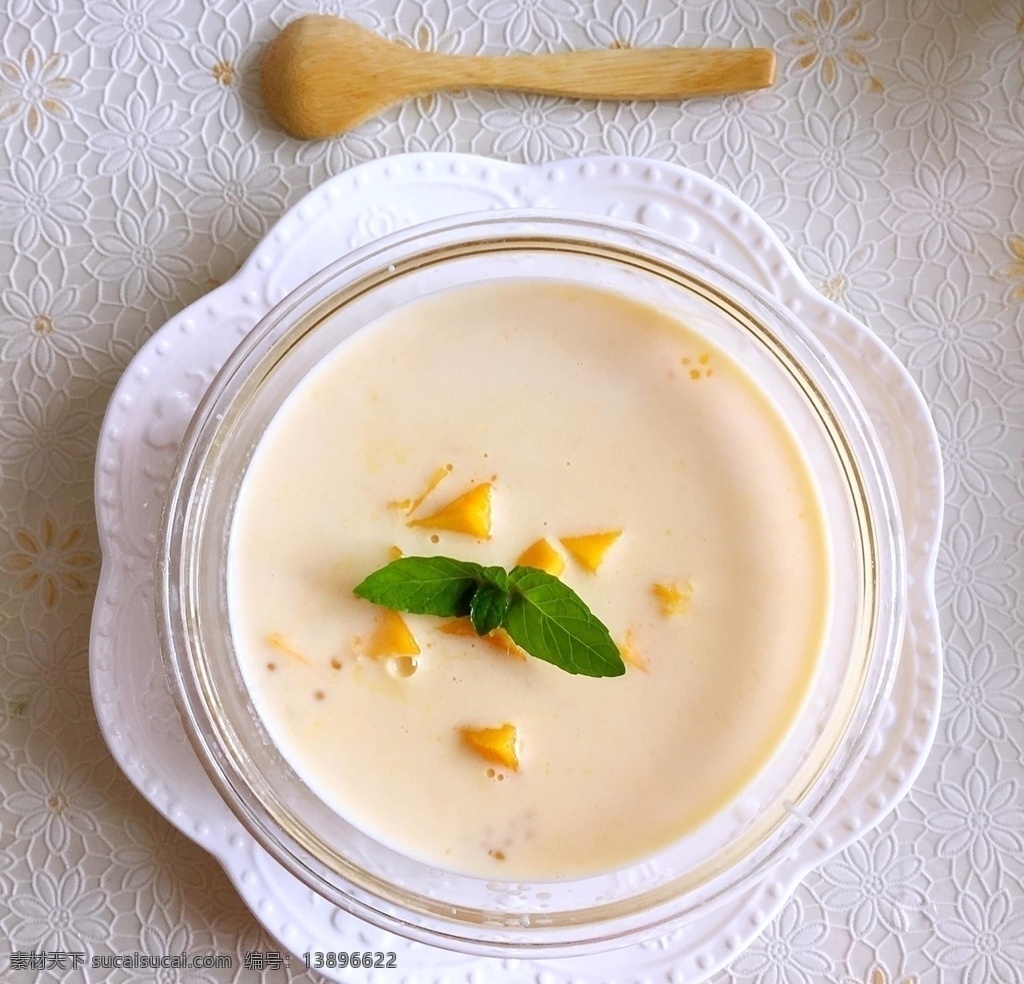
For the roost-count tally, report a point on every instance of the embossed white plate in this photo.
(159, 391)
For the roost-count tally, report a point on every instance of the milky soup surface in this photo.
(583, 412)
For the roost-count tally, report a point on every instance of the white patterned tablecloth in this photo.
(138, 171)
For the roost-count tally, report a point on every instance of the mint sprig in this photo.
(542, 615)
(489, 605)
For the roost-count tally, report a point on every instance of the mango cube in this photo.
(496, 745)
(439, 476)
(544, 557)
(469, 513)
(459, 627)
(277, 641)
(590, 549)
(392, 637)
(411, 505)
(674, 600)
(631, 654)
(497, 639)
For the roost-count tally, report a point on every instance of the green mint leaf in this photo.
(541, 614)
(424, 586)
(497, 576)
(488, 606)
(550, 621)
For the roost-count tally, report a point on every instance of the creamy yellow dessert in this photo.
(557, 427)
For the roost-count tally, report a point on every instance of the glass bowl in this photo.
(738, 846)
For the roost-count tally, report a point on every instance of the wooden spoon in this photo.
(322, 75)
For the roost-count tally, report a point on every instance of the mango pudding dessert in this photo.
(528, 579)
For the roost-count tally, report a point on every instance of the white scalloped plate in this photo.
(159, 391)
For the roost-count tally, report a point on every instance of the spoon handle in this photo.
(627, 73)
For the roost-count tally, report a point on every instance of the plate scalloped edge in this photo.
(158, 392)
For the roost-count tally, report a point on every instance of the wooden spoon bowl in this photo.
(323, 75)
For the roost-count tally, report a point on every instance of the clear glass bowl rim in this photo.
(374, 259)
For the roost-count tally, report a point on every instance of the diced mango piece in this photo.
(497, 639)
(497, 745)
(631, 654)
(590, 549)
(277, 641)
(439, 476)
(469, 513)
(392, 637)
(674, 600)
(411, 505)
(459, 627)
(544, 557)
(395, 552)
